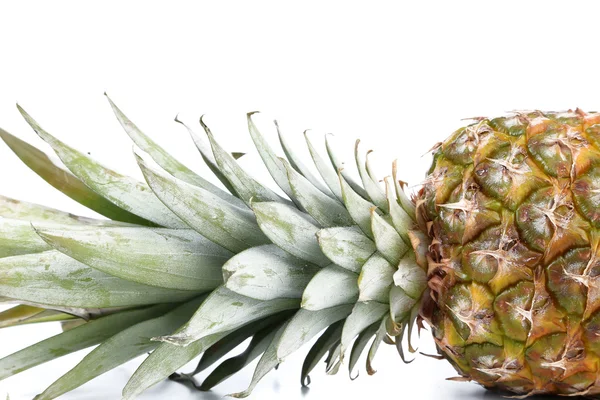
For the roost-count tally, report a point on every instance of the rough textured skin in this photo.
(512, 207)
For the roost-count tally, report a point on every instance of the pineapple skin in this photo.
(511, 205)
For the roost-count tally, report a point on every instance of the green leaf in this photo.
(324, 209)
(291, 230)
(339, 166)
(63, 180)
(225, 310)
(376, 279)
(347, 247)
(326, 341)
(127, 193)
(245, 186)
(298, 165)
(126, 345)
(401, 220)
(22, 210)
(273, 163)
(54, 279)
(25, 314)
(387, 240)
(267, 362)
(260, 342)
(332, 286)
(220, 349)
(405, 202)
(364, 314)
(410, 276)
(400, 304)
(228, 226)
(326, 170)
(75, 339)
(166, 160)
(267, 272)
(163, 361)
(374, 191)
(305, 325)
(167, 258)
(18, 237)
(379, 336)
(333, 360)
(358, 207)
(360, 344)
(206, 153)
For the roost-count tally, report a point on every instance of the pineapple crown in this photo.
(197, 269)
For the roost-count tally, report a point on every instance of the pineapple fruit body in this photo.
(511, 208)
(497, 252)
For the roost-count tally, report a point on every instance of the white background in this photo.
(398, 75)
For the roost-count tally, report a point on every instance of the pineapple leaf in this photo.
(333, 360)
(375, 279)
(372, 188)
(224, 311)
(364, 314)
(400, 219)
(327, 172)
(228, 226)
(400, 304)
(410, 276)
(126, 192)
(259, 343)
(407, 205)
(18, 237)
(324, 209)
(347, 247)
(298, 165)
(54, 279)
(25, 314)
(163, 361)
(267, 362)
(217, 351)
(126, 345)
(63, 180)
(339, 166)
(166, 160)
(273, 163)
(75, 339)
(360, 344)
(387, 240)
(328, 339)
(379, 336)
(330, 287)
(22, 210)
(206, 153)
(245, 186)
(305, 324)
(141, 254)
(267, 272)
(358, 207)
(291, 230)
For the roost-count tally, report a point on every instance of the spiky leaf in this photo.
(225, 310)
(267, 272)
(127, 193)
(347, 247)
(332, 286)
(228, 226)
(54, 279)
(75, 339)
(291, 230)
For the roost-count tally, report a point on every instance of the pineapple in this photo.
(497, 252)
